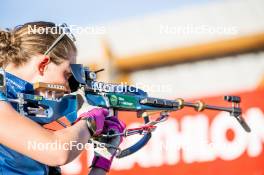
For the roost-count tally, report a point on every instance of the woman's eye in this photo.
(67, 75)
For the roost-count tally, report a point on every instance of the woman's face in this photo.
(57, 74)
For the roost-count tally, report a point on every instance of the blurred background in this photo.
(195, 49)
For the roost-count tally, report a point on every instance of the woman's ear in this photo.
(43, 65)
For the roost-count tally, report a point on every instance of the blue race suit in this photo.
(12, 162)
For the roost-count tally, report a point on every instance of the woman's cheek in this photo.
(62, 80)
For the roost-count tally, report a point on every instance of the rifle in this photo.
(115, 97)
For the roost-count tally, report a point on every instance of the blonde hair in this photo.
(18, 45)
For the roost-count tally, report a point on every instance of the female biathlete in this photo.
(25, 60)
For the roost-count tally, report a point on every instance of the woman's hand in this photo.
(95, 119)
(103, 158)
